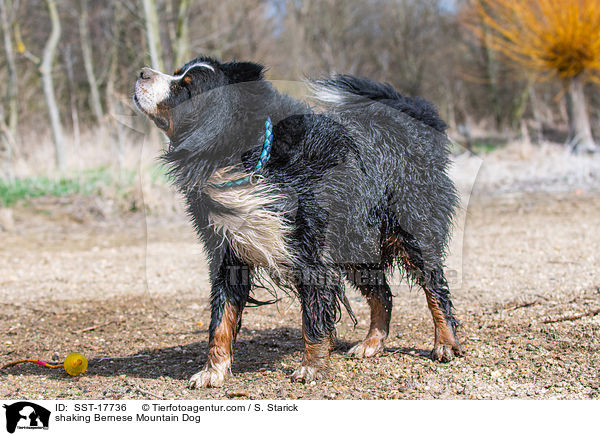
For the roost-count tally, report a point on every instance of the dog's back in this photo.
(405, 151)
(343, 91)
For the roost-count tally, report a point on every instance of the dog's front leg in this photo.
(318, 330)
(315, 362)
(230, 290)
(220, 349)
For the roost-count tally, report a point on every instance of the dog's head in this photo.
(182, 102)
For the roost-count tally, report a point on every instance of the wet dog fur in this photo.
(349, 192)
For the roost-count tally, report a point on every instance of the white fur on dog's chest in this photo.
(255, 231)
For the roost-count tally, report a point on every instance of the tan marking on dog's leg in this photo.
(316, 359)
(378, 331)
(446, 346)
(220, 351)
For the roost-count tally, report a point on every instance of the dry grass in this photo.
(131, 176)
(124, 169)
(522, 167)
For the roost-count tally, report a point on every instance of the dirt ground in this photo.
(527, 260)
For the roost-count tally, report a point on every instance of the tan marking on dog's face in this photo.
(155, 87)
(256, 232)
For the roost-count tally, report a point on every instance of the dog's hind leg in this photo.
(230, 290)
(446, 345)
(319, 311)
(433, 281)
(373, 285)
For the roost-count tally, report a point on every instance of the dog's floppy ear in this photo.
(243, 71)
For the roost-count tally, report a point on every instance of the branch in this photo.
(573, 317)
(94, 327)
(140, 390)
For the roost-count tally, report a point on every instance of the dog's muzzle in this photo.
(151, 88)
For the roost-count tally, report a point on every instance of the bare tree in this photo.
(153, 34)
(88, 63)
(113, 104)
(580, 130)
(10, 127)
(410, 48)
(182, 33)
(419, 46)
(45, 68)
(48, 84)
(68, 61)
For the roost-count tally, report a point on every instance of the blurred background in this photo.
(517, 82)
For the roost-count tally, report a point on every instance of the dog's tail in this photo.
(344, 91)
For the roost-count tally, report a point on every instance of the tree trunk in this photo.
(491, 66)
(12, 91)
(519, 104)
(113, 105)
(48, 85)
(580, 132)
(182, 34)
(86, 50)
(153, 34)
(537, 117)
(68, 61)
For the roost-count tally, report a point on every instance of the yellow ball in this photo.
(75, 364)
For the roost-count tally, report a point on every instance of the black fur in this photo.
(363, 186)
(417, 107)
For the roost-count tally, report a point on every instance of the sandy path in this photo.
(526, 259)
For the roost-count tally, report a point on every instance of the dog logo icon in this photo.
(26, 415)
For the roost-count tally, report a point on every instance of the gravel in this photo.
(525, 259)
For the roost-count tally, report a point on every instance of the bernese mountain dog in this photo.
(309, 197)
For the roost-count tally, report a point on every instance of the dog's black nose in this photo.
(146, 73)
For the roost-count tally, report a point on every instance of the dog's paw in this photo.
(446, 352)
(307, 374)
(367, 348)
(209, 377)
